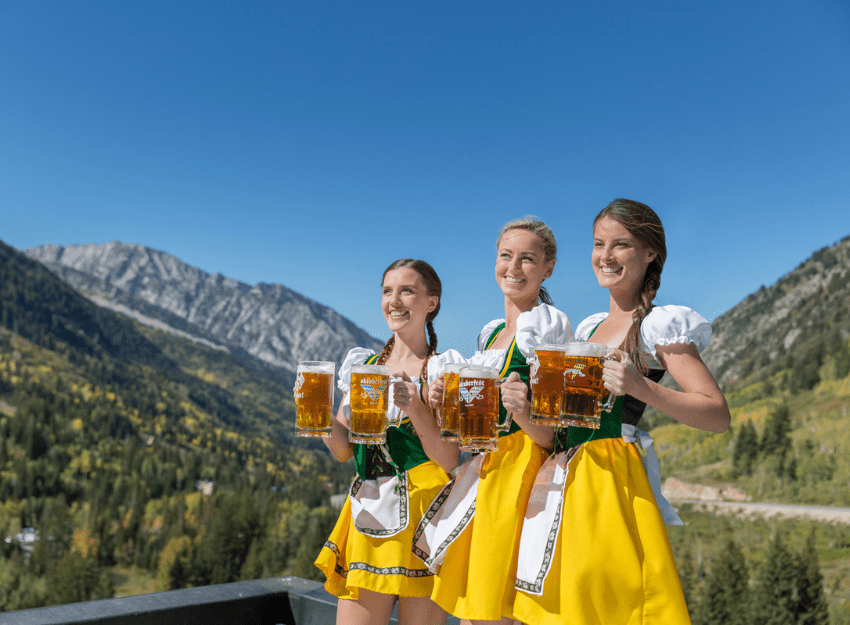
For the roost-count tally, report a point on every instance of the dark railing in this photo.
(272, 601)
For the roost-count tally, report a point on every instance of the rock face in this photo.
(267, 322)
(804, 315)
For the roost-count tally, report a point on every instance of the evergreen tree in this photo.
(725, 592)
(773, 601)
(811, 606)
(746, 449)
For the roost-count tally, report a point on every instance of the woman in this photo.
(471, 532)
(370, 568)
(599, 552)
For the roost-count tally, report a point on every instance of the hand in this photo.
(435, 392)
(514, 394)
(620, 374)
(404, 392)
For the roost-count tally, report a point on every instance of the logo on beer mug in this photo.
(299, 382)
(373, 388)
(576, 371)
(470, 390)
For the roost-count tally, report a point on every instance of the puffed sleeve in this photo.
(669, 325)
(586, 327)
(541, 324)
(486, 332)
(438, 361)
(356, 356)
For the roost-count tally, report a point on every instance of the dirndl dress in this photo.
(594, 548)
(471, 532)
(370, 545)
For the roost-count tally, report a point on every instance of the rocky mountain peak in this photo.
(267, 322)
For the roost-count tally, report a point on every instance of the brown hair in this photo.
(550, 246)
(434, 287)
(644, 224)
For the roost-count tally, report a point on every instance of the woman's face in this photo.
(619, 258)
(521, 266)
(405, 300)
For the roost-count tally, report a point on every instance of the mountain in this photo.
(267, 323)
(795, 324)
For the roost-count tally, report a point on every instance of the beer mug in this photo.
(314, 399)
(478, 409)
(547, 384)
(585, 396)
(449, 427)
(369, 401)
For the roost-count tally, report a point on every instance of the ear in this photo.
(651, 255)
(550, 268)
(432, 303)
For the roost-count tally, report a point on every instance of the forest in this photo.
(134, 461)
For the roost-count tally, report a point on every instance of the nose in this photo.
(516, 265)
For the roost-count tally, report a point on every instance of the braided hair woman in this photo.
(367, 559)
(594, 548)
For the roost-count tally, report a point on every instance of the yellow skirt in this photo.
(476, 580)
(351, 560)
(612, 563)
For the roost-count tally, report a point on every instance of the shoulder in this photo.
(542, 324)
(438, 362)
(355, 356)
(487, 331)
(584, 328)
(670, 325)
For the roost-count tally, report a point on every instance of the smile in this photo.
(398, 314)
(514, 280)
(609, 270)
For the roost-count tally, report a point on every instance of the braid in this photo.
(385, 353)
(432, 349)
(631, 344)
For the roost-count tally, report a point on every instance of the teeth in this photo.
(513, 280)
(396, 313)
(609, 270)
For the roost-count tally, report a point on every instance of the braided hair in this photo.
(644, 224)
(550, 246)
(433, 287)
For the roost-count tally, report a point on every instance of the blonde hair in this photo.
(550, 245)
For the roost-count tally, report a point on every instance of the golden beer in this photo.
(449, 428)
(584, 392)
(478, 409)
(547, 384)
(314, 399)
(369, 402)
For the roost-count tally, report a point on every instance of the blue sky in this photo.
(313, 143)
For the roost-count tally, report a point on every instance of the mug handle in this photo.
(608, 404)
(509, 417)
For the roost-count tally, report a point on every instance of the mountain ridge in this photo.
(267, 322)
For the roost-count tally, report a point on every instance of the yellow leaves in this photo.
(77, 425)
(84, 542)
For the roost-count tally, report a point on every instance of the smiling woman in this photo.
(367, 559)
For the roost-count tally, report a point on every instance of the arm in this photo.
(515, 399)
(338, 441)
(699, 404)
(406, 397)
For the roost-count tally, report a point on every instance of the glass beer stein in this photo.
(547, 384)
(585, 396)
(314, 399)
(449, 426)
(478, 412)
(370, 385)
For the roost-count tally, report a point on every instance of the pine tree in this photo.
(773, 601)
(746, 449)
(811, 606)
(725, 591)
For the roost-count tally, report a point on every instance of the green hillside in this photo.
(140, 458)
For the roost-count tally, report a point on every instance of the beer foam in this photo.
(582, 348)
(373, 369)
(478, 371)
(316, 367)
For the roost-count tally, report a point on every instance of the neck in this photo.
(410, 345)
(514, 309)
(623, 303)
